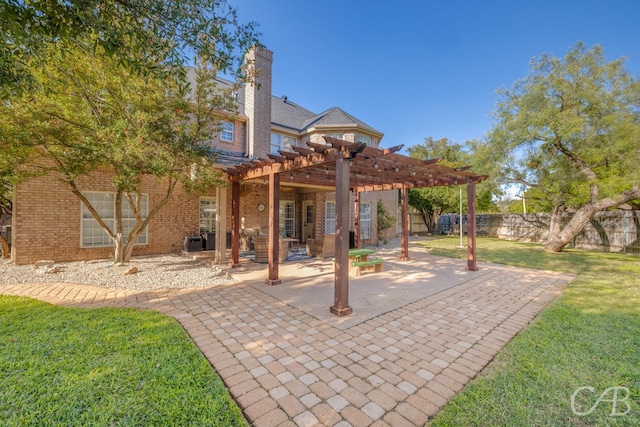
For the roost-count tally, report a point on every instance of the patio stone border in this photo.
(287, 368)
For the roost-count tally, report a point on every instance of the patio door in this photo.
(308, 221)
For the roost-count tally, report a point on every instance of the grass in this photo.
(104, 367)
(590, 336)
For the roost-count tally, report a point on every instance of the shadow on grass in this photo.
(606, 281)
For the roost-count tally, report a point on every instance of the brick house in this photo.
(49, 222)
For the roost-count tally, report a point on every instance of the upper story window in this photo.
(226, 131)
(281, 142)
(335, 135)
(365, 138)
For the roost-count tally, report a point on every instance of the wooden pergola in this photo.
(346, 166)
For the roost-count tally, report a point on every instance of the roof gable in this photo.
(337, 117)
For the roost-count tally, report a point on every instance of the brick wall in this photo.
(258, 101)
(47, 219)
(254, 193)
(239, 138)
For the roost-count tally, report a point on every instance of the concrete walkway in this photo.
(420, 331)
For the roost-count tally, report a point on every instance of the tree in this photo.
(385, 220)
(431, 202)
(86, 112)
(570, 132)
(139, 34)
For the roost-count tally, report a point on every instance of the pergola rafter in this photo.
(346, 166)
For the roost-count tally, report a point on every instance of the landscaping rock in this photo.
(44, 263)
(132, 270)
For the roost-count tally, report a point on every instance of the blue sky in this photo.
(414, 69)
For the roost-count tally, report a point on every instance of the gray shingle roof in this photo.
(291, 115)
(227, 159)
(288, 114)
(336, 116)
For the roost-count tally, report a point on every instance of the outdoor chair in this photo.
(322, 247)
(261, 249)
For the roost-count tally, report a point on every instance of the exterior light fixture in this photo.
(375, 164)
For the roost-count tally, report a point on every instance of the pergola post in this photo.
(221, 225)
(341, 288)
(235, 224)
(404, 254)
(471, 226)
(274, 223)
(356, 220)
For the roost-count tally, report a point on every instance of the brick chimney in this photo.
(258, 101)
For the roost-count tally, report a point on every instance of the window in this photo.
(226, 131)
(287, 218)
(207, 214)
(364, 138)
(281, 142)
(330, 218)
(92, 235)
(335, 135)
(365, 220)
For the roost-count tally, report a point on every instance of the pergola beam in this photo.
(347, 166)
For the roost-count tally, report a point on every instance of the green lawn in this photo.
(104, 367)
(590, 336)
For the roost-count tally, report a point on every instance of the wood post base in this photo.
(345, 311)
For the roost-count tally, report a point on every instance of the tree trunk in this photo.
(560, 237)
(118, 250)
(558, 241)
(4, 248)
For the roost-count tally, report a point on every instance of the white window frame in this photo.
(227, 129)
(365, 222)
(330, 217)
(288, 218)
(105, 203)
(334, 135)
(207, 215)
(366, 139)
(282, 142)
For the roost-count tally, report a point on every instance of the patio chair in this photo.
(261, 248)
(322, 247)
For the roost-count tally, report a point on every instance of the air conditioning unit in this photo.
(193, 244)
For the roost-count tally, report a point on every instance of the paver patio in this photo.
(419, 332)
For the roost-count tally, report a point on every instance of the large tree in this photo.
(432, 202)
(570, 132)
(101, 84)
(85, 112)
(140, 34)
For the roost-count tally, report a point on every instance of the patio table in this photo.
(359, 255)
(292, 242)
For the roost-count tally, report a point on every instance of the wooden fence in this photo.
(616, 231)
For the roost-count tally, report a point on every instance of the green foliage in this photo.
(101, 367)
(571, 129)
(570, 132)
(385, 220)
(588, 337)
(86, 112)
(139, 34)
(431, 202)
